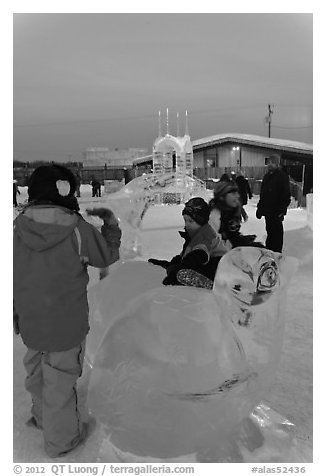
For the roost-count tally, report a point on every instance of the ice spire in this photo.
(186, 128)
(159, 124)
(178, 132)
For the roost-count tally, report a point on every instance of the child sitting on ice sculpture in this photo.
(201, 251)
(225, 215)
(210, 232)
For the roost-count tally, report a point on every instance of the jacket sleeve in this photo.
(261, 195)
(215, 220)
(94, 249)
(223, 246)
(285, 194)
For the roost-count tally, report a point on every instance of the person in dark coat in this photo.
(96, 188)
(16, 190)
(275, 197)
(244, 191)
(225, 178)
(244, 188)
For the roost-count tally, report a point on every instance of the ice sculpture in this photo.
(180, 369)
(109, 297)
(131, 202)
(165, 147)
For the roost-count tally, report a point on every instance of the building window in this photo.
(211, 156)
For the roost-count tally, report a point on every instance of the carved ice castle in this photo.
(173, 153)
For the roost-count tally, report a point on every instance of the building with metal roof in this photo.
(244, 150)
(234, 150)
(220, 153)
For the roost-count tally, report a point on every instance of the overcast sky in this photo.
(86, 80)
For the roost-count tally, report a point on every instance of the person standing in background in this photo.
(275, 197)
(244, 191)
(16, 190)
(96, 188)
(224, 178)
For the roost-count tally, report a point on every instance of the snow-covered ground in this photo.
(291, 394)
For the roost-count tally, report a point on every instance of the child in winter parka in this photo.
(53, 245)
(201, 251)
(225, 216)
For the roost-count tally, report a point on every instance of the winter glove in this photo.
(171, 279)
(112, 234)
(243, 240)
(159, 262)
(249, 238)
(258, 214)
(104, 272)
(257, 244)
(110, 231)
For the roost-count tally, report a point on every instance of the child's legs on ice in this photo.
(34, 382)
(51, 380)
(62, 425)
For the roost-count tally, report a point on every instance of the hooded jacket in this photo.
(201, 252)
(51, 246)
(227, 223)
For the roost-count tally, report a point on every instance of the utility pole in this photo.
(268, 119)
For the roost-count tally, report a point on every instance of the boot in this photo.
(189, 277)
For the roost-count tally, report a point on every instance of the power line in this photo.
(145, 116)
(296, 127)
(128, 118)
(83, 121)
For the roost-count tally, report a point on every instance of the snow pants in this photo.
(51, 381)
(275, 233)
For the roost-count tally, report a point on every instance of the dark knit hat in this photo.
(197, 209)
(222, 188)
(42, 186)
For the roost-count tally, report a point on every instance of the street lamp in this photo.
(238, 150)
